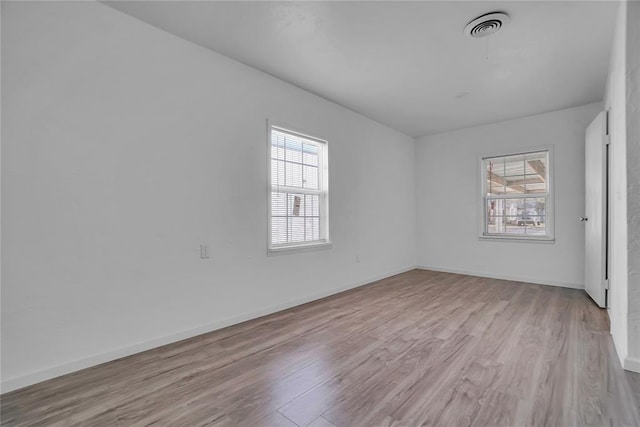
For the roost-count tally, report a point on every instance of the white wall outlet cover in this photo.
(204, 251)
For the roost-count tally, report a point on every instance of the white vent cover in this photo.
(486, 25)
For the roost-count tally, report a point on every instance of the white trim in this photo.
(550, 196)
(322, 192)
(21, 381)
(503, 277)
(306, 247)
(616, 339)
(517, 238)
(631, 364)
(285, 127)
(298, 190)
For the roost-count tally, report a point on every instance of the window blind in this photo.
(298, 192)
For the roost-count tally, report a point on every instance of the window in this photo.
(516, 192)
(298, 196)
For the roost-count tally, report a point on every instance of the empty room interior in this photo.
(320, 213)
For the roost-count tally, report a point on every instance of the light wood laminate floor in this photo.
(418, 348)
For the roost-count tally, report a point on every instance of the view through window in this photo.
(516, 195)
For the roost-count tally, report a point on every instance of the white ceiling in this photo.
(408, 64)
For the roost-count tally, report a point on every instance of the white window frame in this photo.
(549, 237)
(322, 191)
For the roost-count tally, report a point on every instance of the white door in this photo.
(594, 218)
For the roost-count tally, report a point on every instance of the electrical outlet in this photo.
(357, 258)
(204, 251)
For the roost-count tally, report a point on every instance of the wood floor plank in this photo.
(422, 347)
(312, 404)
(276, 419)
(321, 422)
(358, 406)
(496, 409)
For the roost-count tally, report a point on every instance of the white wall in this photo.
(123, 149)
(448, 199)
(633, 180)
(615, 103)
(623, 100)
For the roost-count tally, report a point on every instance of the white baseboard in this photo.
(631, 364)
(503, 277)
(66, 368)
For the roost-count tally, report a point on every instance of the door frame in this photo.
(607, 210)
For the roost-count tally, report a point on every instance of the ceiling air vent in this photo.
(486, 25)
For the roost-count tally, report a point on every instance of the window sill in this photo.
(518, 239)
(308, 247)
